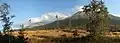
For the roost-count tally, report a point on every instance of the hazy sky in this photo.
(26, 9)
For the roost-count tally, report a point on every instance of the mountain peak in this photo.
(77, 19)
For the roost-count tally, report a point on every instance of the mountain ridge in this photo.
(79, 18)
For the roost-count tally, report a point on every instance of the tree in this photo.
(5, 17)
(22, 26)
(57, 21)
(22, 29)
(97, 15)
(98, 18)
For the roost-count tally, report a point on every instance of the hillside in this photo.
(78, 18)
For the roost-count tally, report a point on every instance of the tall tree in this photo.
(57, 17)
(5, 17)
(98, 16)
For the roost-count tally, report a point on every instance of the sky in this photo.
(46, 10)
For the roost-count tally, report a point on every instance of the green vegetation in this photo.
(5, 18)
(97, 16)
(6, 37)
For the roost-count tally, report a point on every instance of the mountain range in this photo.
(77, 19)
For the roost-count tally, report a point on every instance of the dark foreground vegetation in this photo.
(86, 40)
(12, 39)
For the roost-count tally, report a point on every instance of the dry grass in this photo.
(51, 33)
(45, 36)
(61, 33)
(112, 34)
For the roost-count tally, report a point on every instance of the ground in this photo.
(46, 36)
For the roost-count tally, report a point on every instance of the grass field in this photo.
(45, 36)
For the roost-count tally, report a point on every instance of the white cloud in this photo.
(45, 18)
(118, 15)
(77, 8)
(34, 20)
(50, 17)
(13, 27)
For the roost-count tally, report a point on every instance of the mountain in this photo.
(34, 24)
(79, 18)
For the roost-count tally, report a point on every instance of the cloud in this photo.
(45, 19)
(34, 20)
(118, 15)
(13, 27)
(77, 8)
(49, 17)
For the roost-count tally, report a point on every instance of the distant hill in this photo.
(78, 19)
